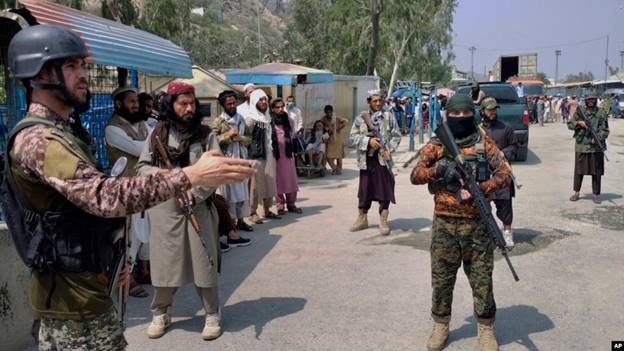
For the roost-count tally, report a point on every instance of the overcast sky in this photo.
(577, 27)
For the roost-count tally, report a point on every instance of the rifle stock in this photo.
(446, 137)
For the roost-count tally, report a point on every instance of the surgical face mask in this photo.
(290, 104)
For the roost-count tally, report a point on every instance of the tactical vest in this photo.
(49, 232)
(114, 153)
(478, 164)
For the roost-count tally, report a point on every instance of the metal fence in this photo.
(102, 81)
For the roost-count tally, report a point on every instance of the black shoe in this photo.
(238, 242)
(295, 209)
(224, 247)
(272, 215)
(244, 227)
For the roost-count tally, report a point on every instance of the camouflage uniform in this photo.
(50, 171)
(103, 333)
(459, 234)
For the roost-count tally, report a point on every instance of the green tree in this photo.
(542, 76)
(580, 77)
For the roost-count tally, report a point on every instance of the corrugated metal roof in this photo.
(278, 73)
(115, 44)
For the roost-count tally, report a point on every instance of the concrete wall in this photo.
(312, 98)
(345, 90)
(15, 313)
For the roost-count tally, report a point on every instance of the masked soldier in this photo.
(61, 210)
(374, 156)
(588, 158)
(459, 234)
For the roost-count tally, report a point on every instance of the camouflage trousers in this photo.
(455, 241)
(103, 333)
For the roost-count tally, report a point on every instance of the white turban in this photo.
(248, 85)
(375, 92)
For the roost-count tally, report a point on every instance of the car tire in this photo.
(521, 154)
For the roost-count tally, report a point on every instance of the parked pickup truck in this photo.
(513, 111)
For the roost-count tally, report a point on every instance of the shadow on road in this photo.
(409, 224)
(260, 312)
(514, 324)
(532, 159)
(603, 196)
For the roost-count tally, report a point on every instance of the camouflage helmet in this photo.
(32, 47)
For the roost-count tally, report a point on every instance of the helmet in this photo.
(591, 95)
(32, 47)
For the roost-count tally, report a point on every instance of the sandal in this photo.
(255, 219)
(137, 291)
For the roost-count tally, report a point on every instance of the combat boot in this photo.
(361, 222)
(487, 339)
(438, 337)
(159, 325)
(384, 229)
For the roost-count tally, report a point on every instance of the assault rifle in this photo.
(377, 134)
(123, 259)
(465, 170)
(187, 206)
(592, 132)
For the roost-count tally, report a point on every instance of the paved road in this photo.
(307, 283)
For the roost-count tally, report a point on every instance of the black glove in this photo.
(449, 173)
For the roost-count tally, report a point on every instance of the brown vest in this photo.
(114, 153)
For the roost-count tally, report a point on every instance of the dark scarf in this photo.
(284, 121)
(194, 132)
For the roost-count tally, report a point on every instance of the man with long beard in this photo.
(53, 174)
(180, 255)
(125, 136)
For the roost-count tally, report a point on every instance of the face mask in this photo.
(291, 104)
(461, 127)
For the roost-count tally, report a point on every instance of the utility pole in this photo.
(622, 61)
(472, 50)
(259, 37)
(557, 54)
(607, 61)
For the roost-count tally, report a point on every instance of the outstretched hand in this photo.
(212, 170)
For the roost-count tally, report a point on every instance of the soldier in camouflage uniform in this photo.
(459, 235)
(54, 173)
(588, 160)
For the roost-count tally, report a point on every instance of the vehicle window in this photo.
(533, 90)
(502, 93)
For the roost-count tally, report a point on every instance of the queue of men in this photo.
(188, 180)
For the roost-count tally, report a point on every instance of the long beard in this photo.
(129, 116)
